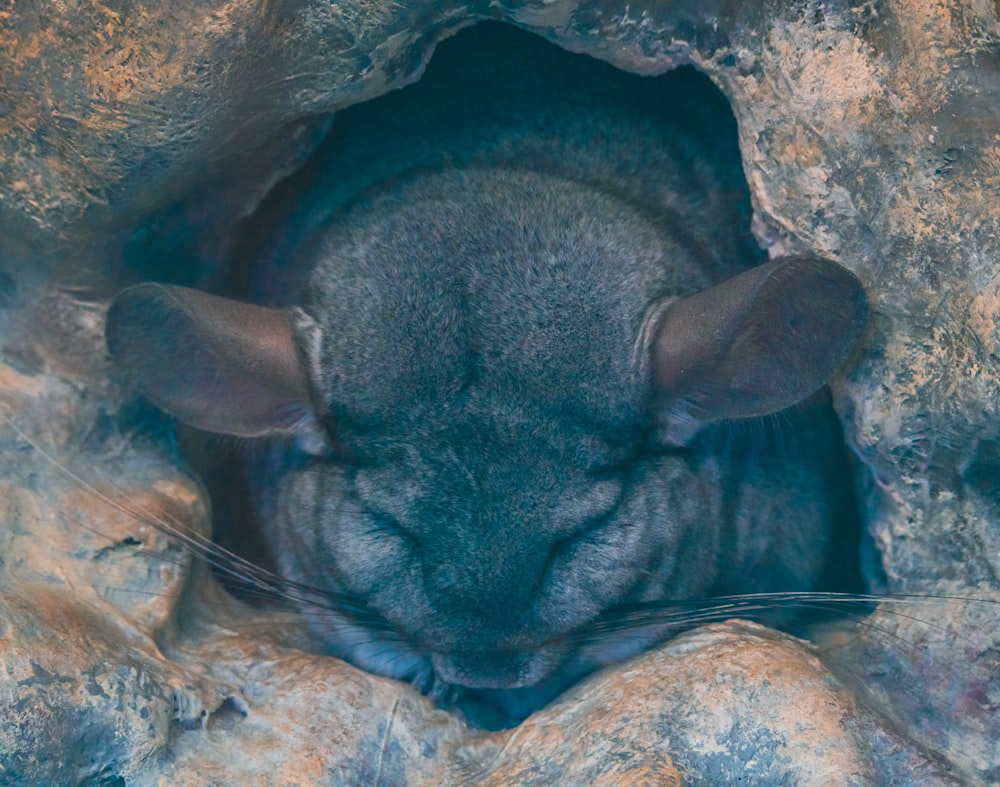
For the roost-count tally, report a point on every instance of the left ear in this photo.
(756, 343)
(217, 364)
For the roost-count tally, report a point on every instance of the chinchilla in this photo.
(514, 328)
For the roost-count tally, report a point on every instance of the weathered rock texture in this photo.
(870, 134)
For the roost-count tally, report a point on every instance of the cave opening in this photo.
(488, 79)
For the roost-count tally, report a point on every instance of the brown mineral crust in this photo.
(703, 684)
(123, 555)
(870, 133)
(109, 107)
(81, 695)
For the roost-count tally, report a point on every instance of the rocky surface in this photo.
(870, 134)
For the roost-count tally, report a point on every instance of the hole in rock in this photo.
(519, 357)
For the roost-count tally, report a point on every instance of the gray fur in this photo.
(518, 357)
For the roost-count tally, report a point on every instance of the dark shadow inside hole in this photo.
(488, 82)
(486, 78)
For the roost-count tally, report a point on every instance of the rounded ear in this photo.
(217, 364)
(756, 343)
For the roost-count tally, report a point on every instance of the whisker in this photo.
(388, 650)
(262, 583)
(686, 613)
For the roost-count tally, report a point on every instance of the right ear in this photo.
(217, 364)
(756, 343)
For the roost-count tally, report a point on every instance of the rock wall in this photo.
(870, 134)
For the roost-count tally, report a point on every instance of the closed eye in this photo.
(589, 531)
(385, 524)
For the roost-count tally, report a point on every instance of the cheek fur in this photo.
(635, 555)
(326, 540)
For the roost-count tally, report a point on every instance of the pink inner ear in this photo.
(217, 364)
(758, 342)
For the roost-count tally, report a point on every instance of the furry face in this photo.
(513, 370)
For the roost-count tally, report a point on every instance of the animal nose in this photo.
(490, 670)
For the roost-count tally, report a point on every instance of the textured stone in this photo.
(870, 133)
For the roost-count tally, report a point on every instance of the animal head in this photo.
(498, 375)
